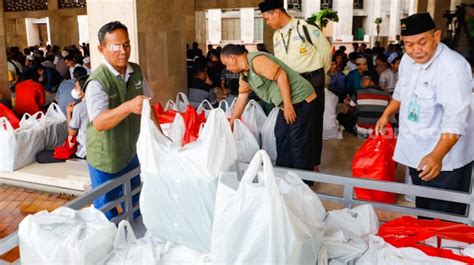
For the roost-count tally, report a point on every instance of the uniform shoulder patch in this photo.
(316, 33)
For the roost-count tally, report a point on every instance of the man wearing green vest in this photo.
(114, 98)
(274, 82)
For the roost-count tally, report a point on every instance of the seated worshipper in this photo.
(337, 82)
(230, 84)
(77, 121)
(63, 96)
(214, 68)
(370, 104)
(394, 64)
(87, 64)
(30, 95)
(200, 86)
(275, 82)
(49, 77)
(353, 81)
(70, 62)
(61, 65)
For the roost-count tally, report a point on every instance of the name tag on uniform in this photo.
(414, 112)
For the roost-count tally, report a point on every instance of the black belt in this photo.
(308, 75)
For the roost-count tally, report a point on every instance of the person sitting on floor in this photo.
(370, 103)
(77, 121)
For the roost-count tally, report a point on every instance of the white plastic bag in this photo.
(176, 130)
(254, 117)
(19, 147)
(130, 250)
(202, 107)
(268, 134)
(65, 236)
(178, 195)
(232, 105)
(170, 105)
(255, 223)
(380, 252)
(55, 127)
(331, 127)
(347, 232)
(361, 220)
(224, 105)
(245, 142)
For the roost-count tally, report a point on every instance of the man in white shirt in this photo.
(433, 97)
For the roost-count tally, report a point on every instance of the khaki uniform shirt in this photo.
(290, 46)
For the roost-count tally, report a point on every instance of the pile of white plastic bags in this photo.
(36, 133)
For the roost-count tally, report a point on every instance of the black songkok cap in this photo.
(416, 24)
(270, 5)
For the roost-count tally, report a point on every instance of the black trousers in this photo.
(295, 142)
(317, 79)
(457, 180)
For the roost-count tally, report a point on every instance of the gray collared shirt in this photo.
(98, 100)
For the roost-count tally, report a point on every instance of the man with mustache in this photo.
(433, 97)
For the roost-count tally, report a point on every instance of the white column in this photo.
(454, 3)
(413, 7)
(310, 7)
(247, 20)
(214, 18)
(395, 13)
(345, 11)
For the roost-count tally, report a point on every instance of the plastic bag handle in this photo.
(233, 103)
(223, 102)
(6, 125)
(201, 106)
(261, 157)
(169, 105)
(184, 98)
(125, 235)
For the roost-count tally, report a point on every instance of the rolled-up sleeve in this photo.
(454, 95)
(97, 99)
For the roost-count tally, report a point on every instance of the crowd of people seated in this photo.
(39, 76)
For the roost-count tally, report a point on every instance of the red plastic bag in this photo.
(66, 150)
(407, 231)
(192, 121)
(374, 161)
(10, 115)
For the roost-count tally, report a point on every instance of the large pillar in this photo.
(214, 25)
(54, 21)
(247, 20)
(395, 13)
(437, 8)
(4, 89)
(343, 28)
(200, 29)
(310, 7)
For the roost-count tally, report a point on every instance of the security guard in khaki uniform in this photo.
(306, 50)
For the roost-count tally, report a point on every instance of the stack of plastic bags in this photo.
(178, 195)
(36, 133)
(19, 147)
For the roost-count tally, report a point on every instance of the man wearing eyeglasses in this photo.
(114, 97)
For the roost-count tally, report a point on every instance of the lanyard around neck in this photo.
(286, 43)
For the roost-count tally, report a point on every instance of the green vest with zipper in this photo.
(112, 150)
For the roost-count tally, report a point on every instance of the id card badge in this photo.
(414, 111)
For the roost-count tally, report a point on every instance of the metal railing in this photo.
(347, 200)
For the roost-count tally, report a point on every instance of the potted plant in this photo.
(322, 18)
(377, 22)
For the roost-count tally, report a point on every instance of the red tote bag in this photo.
(374, 161)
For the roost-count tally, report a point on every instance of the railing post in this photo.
(127, 186)
(348, 195)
